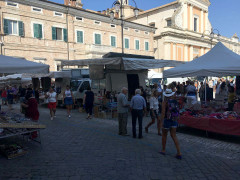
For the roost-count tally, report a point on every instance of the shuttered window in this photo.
(59, 34)
(137, 44)
(146, 46)
(98, 39)
(80, 36)
(13, 27)
(126, 43)
(113, 41)
(37, 28)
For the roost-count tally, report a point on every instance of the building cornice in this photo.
(81, 12)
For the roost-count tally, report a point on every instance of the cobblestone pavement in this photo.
(81, 149)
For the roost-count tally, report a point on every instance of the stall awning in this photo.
(220, 61)
(127, 63)
(17, 65)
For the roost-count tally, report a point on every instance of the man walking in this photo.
(138, 105)
(122, 108)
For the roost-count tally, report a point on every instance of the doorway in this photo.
(133, 84)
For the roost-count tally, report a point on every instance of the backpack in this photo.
(172, 112)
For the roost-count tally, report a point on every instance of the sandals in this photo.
(146, 129)
(162, 153)
(178, 157)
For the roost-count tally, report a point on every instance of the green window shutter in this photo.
(113, 41)
(97, 39)
(127, 43)
(65, 35)
(20, 28)
(5, 26)
(54, 33)
(40, 29)
(79, 36)
(137, 44)
(35, 30)
(146, 46)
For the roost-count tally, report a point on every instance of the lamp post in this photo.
(211, 34)
(119, 6)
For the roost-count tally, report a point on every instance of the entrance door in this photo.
(133, 84)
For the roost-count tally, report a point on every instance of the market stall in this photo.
(115, 71)
(218, 62)
(14, 123)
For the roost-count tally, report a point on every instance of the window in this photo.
(58, 14)
(146, 46)
(137, 44)
(126, 43)
(152, 24)
(85, 85)
(12, 4)
(147, 33)
(59, 34)
(80, 36)
(79, 18)
(37, 31)
(97, 39)
(35, 9)
(195, 24)
(13, 27)
(137, 31)
(126, 28)
(113, 41)
(97, 22)
(169, 22)
(113, 25)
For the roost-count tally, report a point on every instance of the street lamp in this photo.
(212, 34)
(118, 4)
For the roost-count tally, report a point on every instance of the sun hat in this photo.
(168, 93)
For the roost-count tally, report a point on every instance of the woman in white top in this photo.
(68, 100)
(52, 102)
(154, 112)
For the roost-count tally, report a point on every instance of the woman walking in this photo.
(154, 112)
(170, 114)
(68, 100)
(88, 102)
(52, 102)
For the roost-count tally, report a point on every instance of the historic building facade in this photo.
(46, 32)
(180, 26)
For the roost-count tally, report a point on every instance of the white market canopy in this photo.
(17, 65)
(218, 62)
(126, 63)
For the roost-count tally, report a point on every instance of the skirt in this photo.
(68, 101)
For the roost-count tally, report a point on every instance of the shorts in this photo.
(4, 99)
(167, 124)
(10, 101)
(52, 105)
(156, 113)
(68, 101)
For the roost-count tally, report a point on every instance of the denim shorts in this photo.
(156, 113)
(170, 124)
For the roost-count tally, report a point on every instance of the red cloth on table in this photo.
(222, 126)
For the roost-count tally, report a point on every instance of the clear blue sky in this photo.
(224, 14)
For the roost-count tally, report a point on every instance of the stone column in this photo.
(167, 51)
(201, 30)
(174, 52)
(185, 52)
(191, 17)
(185, 16)
(202, 51)
(191, 53)
(206, 21)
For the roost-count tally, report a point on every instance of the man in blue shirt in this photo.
(138, 106)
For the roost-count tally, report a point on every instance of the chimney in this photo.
(73, 3)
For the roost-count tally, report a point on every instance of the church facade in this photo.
(183, 30)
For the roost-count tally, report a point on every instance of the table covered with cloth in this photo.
(222, 126)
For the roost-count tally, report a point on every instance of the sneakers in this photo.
(51, 118)
(69, 116)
